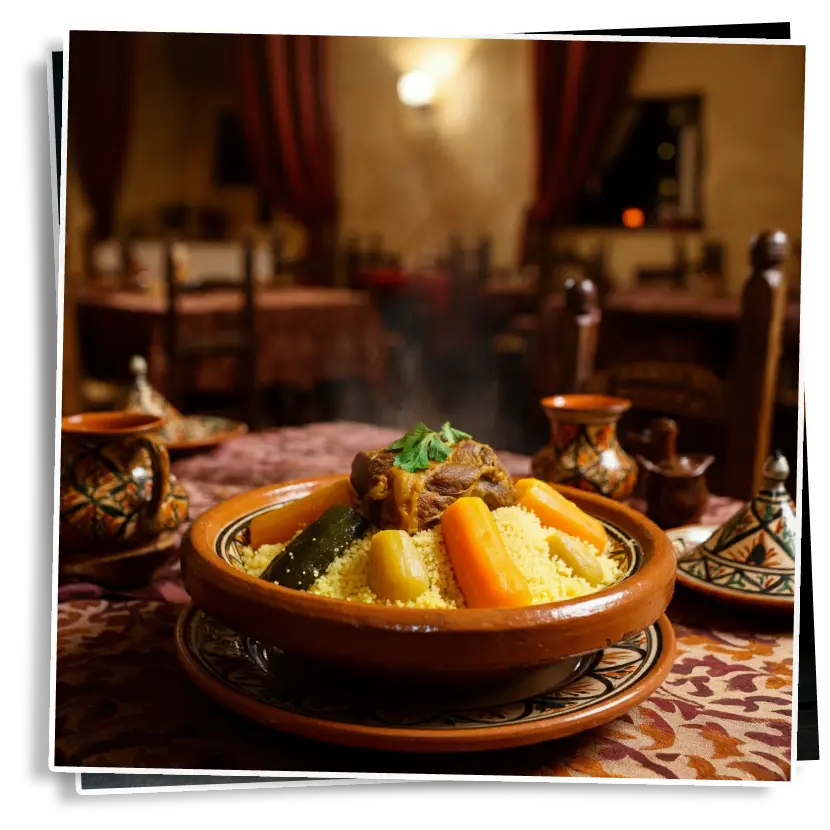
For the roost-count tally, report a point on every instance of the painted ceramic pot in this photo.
(584, 450)
(116, 489)
(751, 558)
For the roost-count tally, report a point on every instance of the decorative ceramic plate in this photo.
(684, 539)
(725, 579)
(267, 685)
(197, 432)
(120, 569)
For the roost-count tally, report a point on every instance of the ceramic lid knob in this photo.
(138, 366)
(776, 469)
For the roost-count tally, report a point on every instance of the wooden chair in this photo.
(240, 343)
(320, 269)
(472, 264)
(97, 393)
(468, 270)
(357, 257)
(399, 317)
(556, 264)
(520, 333)
(741, 404)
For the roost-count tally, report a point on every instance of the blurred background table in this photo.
(305, 334)
(122, 700)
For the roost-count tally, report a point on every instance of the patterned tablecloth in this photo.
(725, 710)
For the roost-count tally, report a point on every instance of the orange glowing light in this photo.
(633, 218)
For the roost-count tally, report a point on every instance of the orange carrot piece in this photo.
(282, 523)
(486, 574)
(558, 513)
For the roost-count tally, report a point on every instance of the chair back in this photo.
(741, 403)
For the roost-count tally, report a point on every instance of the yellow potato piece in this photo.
(577, 557)
(396, 570)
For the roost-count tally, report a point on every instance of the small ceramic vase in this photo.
(584, 451)
(751, 558)
(675, 489)
(116, 489)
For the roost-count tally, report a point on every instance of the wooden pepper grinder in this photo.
(676, 490)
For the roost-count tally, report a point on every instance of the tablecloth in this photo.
(724, 712)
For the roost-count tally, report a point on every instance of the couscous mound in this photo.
(548, 577)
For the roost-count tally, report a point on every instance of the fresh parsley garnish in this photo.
(421, 445)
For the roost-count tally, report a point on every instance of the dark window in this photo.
(231, 165)
(650, 172)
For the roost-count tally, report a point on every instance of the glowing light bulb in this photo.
(668, 188)
(633, 218)
(666, 151)
(416, 89)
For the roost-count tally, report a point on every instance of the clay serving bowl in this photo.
(426, 645)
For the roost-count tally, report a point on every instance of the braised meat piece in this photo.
(393, 498)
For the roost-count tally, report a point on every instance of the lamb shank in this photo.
(391, 497)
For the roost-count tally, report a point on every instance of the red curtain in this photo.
(580, 88)
(287, 121)
(100, 96)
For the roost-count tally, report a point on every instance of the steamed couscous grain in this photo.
(254, 562)
(548, 577)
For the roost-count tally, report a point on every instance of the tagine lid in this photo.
(180, 433)
(142, 397)
(751, 557)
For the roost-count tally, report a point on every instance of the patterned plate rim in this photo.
(226, 686)
(229, 429)
(753, 598)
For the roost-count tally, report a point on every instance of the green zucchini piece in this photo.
(310, 554)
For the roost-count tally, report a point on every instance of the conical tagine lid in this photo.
(751, 558)
(144, 398)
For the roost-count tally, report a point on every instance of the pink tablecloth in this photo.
(723, 712)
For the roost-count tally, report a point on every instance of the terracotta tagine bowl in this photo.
(424, 645)
(584, 451)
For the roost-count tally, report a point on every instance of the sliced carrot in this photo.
(558, 513)
(486, 574)
(282, 523)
